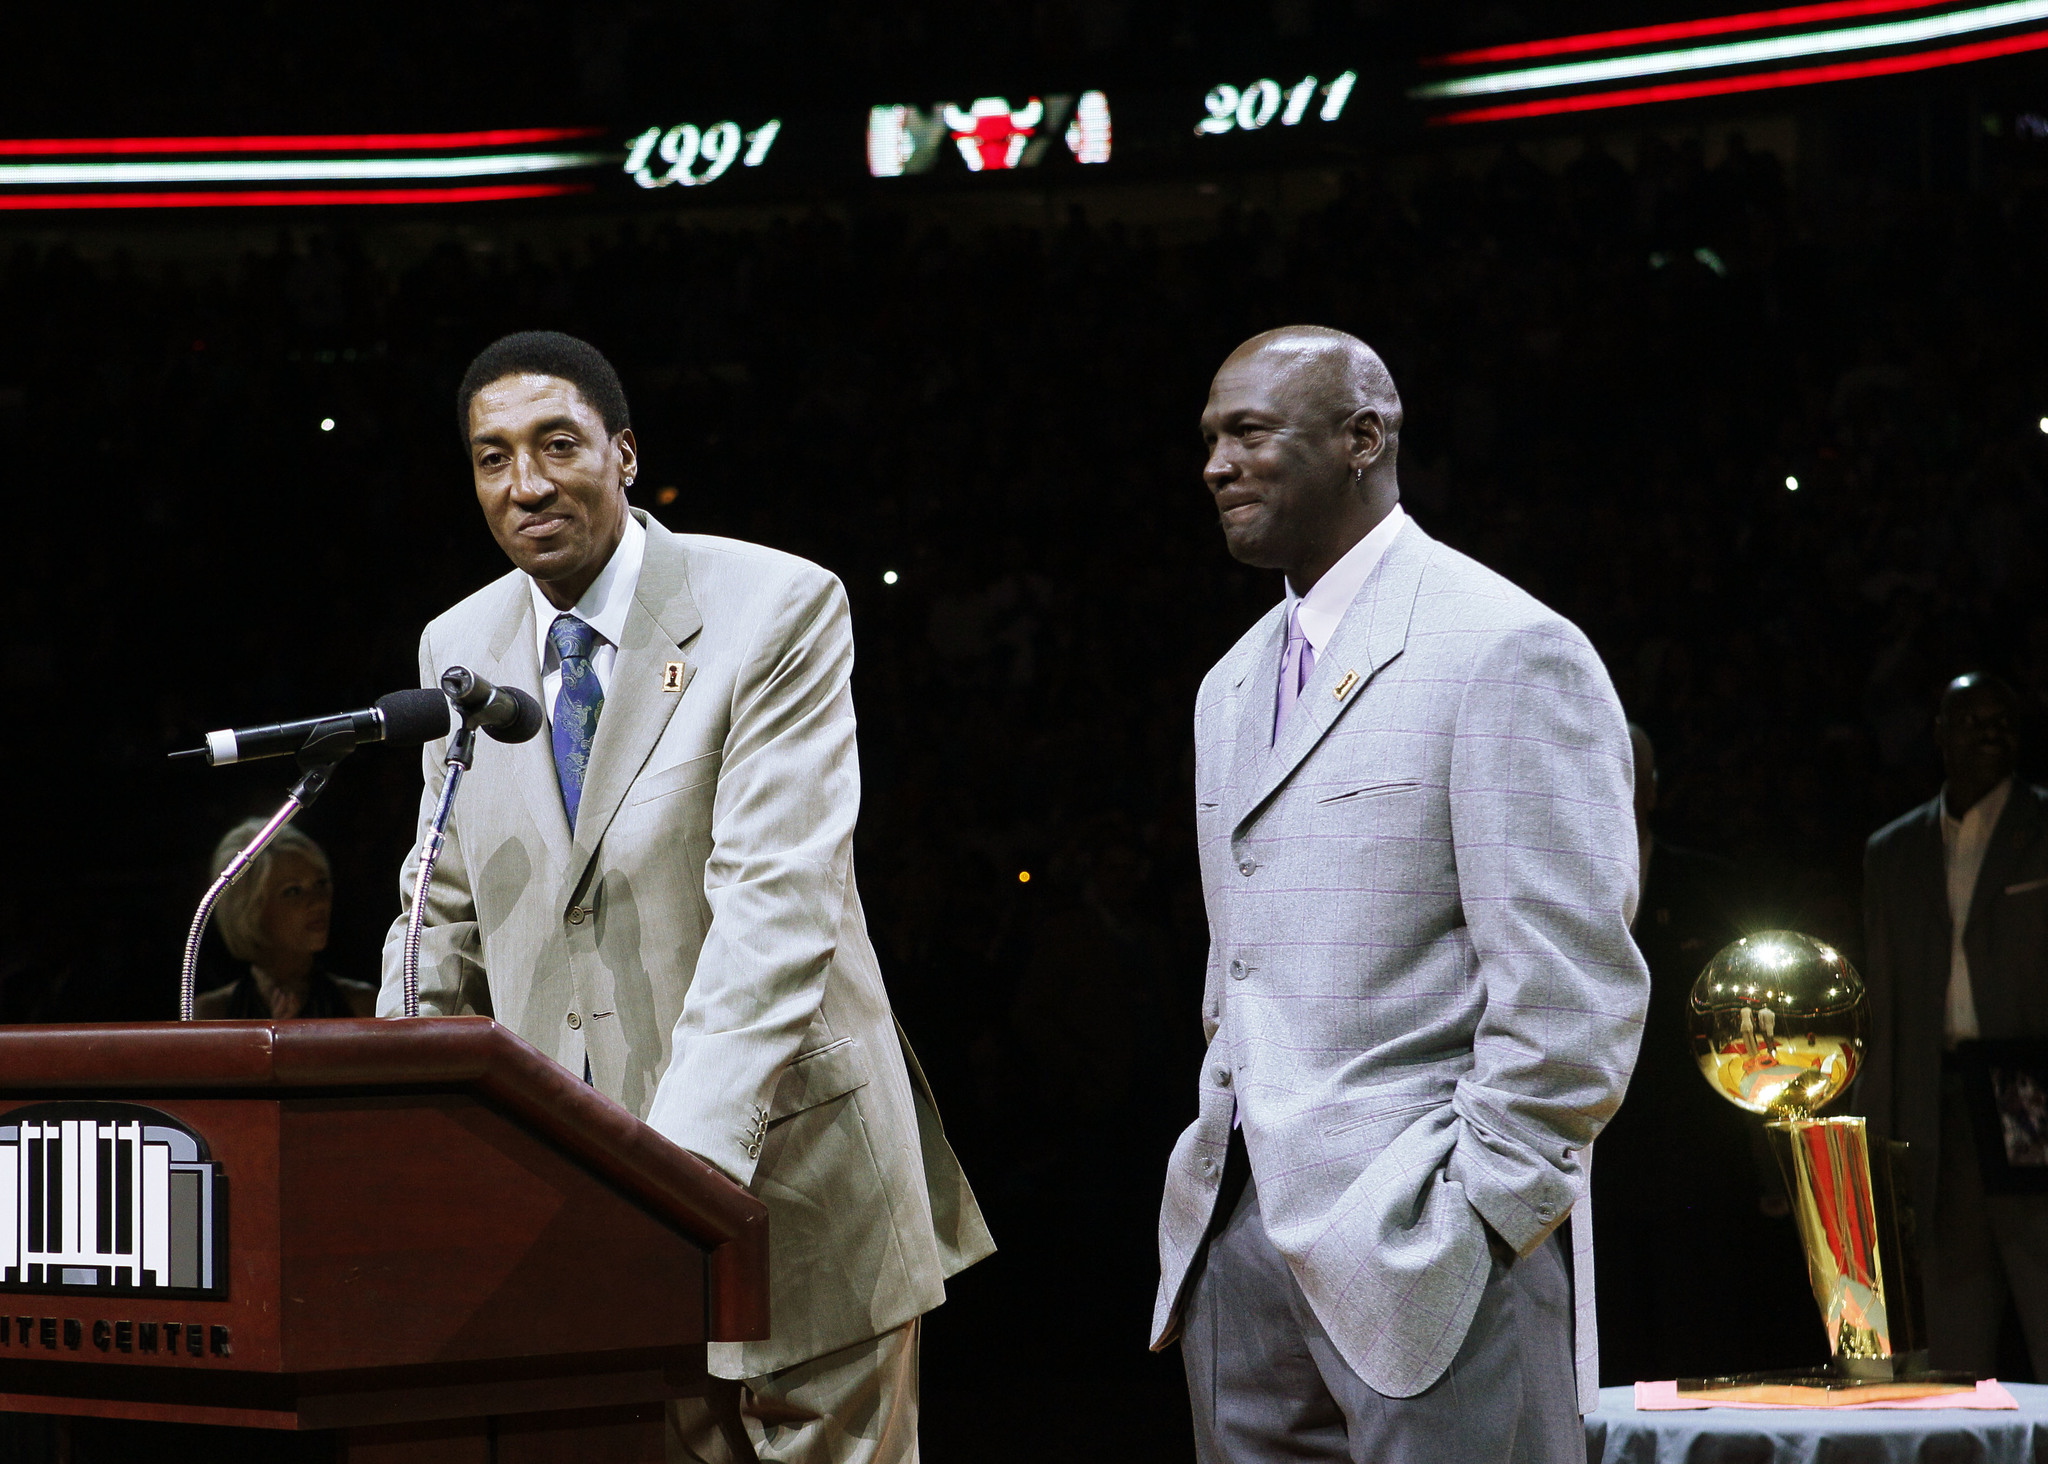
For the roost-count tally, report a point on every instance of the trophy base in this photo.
(1819, 1388)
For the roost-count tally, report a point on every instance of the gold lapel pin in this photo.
(1343, 688)
(672, 675)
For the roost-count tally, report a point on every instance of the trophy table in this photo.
(1777, 1025)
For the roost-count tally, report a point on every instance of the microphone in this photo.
(401, 719)
(506, 712)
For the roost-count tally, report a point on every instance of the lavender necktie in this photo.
(1297, 664)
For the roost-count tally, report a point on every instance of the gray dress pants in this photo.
(1267, 1384)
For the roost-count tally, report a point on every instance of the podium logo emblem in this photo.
(109, 1199)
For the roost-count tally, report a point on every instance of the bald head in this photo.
(1978, 731)
(1329, 371)
(1302, 427)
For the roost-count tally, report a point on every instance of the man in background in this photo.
(1422, 1002)
(1955, 910)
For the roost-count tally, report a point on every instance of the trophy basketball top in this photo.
(1777, 1023)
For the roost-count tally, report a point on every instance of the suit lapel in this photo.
(662, 619)
(2018, 826)
(530, 764)
(1258, 680)
(1373, 632)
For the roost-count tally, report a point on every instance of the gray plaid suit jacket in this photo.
(1422, 994)
(699, 933)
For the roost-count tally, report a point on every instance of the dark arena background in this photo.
(1740, 367)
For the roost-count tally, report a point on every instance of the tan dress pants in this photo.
(854, 1406)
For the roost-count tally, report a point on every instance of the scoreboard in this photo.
(1334, 108)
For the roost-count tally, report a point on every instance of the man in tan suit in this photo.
(659, 893)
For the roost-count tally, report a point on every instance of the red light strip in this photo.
(359, 142)
(276, 197)
(1719, 25)
(1756, 81)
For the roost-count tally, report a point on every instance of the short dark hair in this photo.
(547, 353)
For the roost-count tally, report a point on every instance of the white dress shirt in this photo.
(1323, 607)
(602, 608)
(1963, 842)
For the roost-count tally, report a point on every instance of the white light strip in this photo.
(1742, 53)
(299, 170)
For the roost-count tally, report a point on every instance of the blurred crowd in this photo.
(1781, 456)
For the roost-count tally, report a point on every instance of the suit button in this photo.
(1246, 868)
(1223, 1077)
(575, 1022)
(577, 914)
(1239, 970)
(1207, 1165)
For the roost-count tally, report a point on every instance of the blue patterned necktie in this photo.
(576, 707)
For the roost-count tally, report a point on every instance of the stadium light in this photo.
(1751, 64)
(299, 170)
(1744, 53)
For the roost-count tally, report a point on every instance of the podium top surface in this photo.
(336, 1056)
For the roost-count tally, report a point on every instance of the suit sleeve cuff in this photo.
(1522, 1217)
(727, 1137)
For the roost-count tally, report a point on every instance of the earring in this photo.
(628, 483)
(1358, 477)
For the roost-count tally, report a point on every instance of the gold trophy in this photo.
(1777, 1022)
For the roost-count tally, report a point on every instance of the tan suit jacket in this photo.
(699, 932)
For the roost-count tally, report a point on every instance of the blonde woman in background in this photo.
(275, 917)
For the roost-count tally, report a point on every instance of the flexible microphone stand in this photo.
(461, 754)
(324, 750)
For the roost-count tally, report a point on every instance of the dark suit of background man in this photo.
(1412, 789)
(659, 894)
(1955, 905)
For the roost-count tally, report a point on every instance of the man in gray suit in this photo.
(660, 895)
(1418, 851)
(1955, 913)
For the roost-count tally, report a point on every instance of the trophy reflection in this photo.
(1777, 1024)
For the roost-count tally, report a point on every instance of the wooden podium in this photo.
(421, 1233)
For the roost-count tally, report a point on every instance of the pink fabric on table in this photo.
(1665, 1398)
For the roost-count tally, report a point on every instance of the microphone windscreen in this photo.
(526, 724)
(414, 717)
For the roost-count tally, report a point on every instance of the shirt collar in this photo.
(604, 605)
(1990, 806)
(1323, 607)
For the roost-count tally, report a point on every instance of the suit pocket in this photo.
(2027, 886)
(1358, 1121)
(819, 1076)
(680, 777)
(1367, 791)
